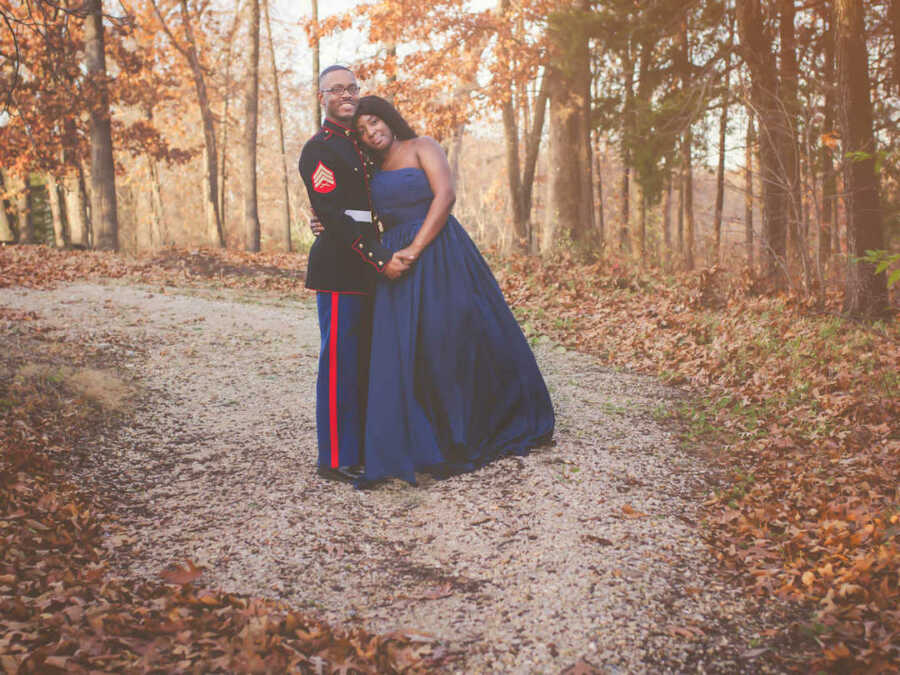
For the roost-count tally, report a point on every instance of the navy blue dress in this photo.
(453, 383)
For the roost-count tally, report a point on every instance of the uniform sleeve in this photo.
(318, 168)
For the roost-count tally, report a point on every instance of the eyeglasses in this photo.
(340, 90)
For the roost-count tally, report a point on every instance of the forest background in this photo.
(676, 135)
(722, 175)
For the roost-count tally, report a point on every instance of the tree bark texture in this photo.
(829, 174)
(566, 74)
(157, 236)
(895, 29)
(511, 144)
(226, 104)
(866, 292)
(756, 46)
(582, 67)
(18, 197)
(667, 221)
(314, 101)
(104, 216)
(279, 120)
(6, 230)
(723, 131)
(76, 216)
(190, 52)
(627, 113)
(720, 182)
(688, 178)
(60, 240)
(598, 193)
(251, 115)
(790, 105)
(687, 167)
(748, 190)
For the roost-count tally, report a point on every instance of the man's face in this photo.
(339, 106)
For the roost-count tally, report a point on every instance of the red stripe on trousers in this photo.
(333, 378)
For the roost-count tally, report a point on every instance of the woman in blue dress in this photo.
(453, 383)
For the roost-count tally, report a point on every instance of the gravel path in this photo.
(588, 549)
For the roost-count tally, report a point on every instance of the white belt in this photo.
(359, 216)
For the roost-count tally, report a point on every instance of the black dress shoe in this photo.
(343, 474)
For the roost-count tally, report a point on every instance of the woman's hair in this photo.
(375, 105)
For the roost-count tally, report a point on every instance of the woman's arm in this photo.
(434, 162)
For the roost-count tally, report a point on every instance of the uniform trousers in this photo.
(345, 326)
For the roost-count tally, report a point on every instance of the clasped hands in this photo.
(399, 264)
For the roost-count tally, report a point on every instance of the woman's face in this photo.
(374, 132)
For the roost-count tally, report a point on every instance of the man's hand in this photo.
(396, 267)
(315, 225)
(408, 254)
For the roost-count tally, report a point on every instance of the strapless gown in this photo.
(453, 383)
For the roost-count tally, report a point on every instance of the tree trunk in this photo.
(567, 154)
(226, 104)
(316, 106)
(723, 130)
(6, 230)
(59, 230)
(511, 143)
(866, 292)
(84, 192)
(251, 112)
(720, 181)
(643, 232)
(564, 181)
(157, 236)
(625, 225)
(688, 176)
(213, 217)
(76, 216)
(895, 29)
(24, 226)
(829, 175)
(569, 96)
(598, 193)
(790, 107)
(582, 68)
(748, 191)
(757, 45)
(104, 216)
(667, 222)
(533, 146)
(681, 210)
(454, 152)
(279, 120)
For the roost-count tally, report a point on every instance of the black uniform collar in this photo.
(330, 126)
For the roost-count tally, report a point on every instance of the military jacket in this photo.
(348, 255)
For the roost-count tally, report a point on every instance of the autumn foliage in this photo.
(60, 609)
(797, 406)
(802, 406)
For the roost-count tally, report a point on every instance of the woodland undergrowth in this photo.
(60, 609)
(796, 406)
(802, 408)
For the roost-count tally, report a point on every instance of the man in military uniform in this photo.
(344, 262)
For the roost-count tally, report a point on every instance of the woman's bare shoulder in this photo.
(426, 143)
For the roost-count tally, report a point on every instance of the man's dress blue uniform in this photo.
(344, 262)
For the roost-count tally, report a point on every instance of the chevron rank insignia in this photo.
(323, 179)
